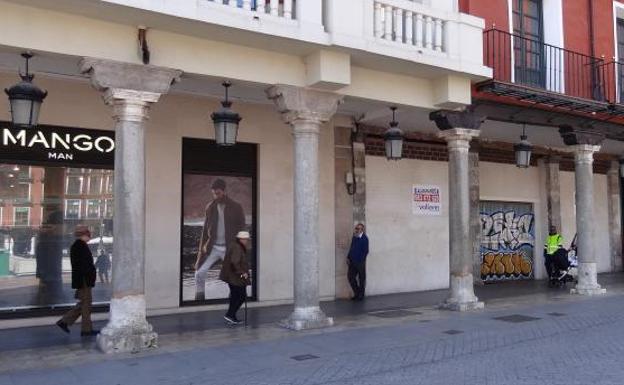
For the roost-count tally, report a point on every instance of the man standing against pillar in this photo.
(356, 259)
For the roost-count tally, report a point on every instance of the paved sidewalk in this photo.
(548, 337)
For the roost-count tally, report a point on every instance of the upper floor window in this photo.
(21, 216)
(528, 42)
(74, 185)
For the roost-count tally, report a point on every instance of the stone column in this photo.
(305, 111)
(615, 222)
(475, 217)
(130, 90)
(359, 175)
(458, 129)
(553, 192)
(584, 143)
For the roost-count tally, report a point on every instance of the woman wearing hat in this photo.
(83, 279)
(235, 272)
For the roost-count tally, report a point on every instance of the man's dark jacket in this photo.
(83, 270)
(234, 222)
(359, 249)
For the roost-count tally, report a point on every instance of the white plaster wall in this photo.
(407, 252)
(601, 218)
(506, 182)
(75, 103)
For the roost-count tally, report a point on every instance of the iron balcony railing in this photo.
(532, 63)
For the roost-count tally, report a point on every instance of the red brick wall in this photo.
(438, 152)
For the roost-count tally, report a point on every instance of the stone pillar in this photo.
(615, 221)
(475, 217)
(130, 90)
(584, 143)
(305, 111)
(458, 129)
(359, 175)
(553, 192)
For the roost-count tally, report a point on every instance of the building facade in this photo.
(313, 82)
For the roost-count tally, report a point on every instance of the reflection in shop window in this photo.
(74, 185)
(21, 216)
(109, 184)
(94, 208)
(109, 208)
(72, 208)
(95, 184)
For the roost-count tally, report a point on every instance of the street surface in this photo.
(558, 339)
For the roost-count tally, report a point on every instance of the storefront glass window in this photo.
(36, 231)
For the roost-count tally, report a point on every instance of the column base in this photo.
(454, 305)
(303, 318)
(587, 280)
(462, 294)
(588, 291)
(127, 329)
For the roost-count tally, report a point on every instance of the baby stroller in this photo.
(565, 266)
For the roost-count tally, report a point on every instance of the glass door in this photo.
(529, 63)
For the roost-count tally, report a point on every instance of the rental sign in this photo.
(52, 144)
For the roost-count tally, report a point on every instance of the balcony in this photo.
(428, 32)
(532, 71)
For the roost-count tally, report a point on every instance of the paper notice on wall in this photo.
(426, 200)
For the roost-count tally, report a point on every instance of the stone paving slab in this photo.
(364, 349)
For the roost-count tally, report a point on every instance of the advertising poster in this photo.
(426, 200)
(218, 201)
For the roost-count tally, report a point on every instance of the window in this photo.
(74, 185)
(72, 208)
(19, 191)
(620, 49)
(109, 209)
(21, 216)
(109, 184)
(528, 42)
(94, 208)
(95, 184)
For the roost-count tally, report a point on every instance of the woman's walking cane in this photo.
(245, 306)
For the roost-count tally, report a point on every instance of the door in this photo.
(507, 240)
(620, 70)
(528, 43)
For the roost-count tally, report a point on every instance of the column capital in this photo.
(582, 135)
(459, 138)
(584, 153)
(110, 74)
(130, 105)
(449, 120)
(301, 104)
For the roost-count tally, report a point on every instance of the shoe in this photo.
(237, 321)
(230, 320)
(90, 333)
(63, 326)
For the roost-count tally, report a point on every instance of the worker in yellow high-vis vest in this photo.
(554, 242)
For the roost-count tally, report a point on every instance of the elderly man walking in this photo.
(83, 279)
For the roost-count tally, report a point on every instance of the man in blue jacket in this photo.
(356, 259)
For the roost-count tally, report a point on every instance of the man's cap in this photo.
(243, 235)
(218, 184)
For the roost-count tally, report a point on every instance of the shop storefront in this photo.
(52, 179)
